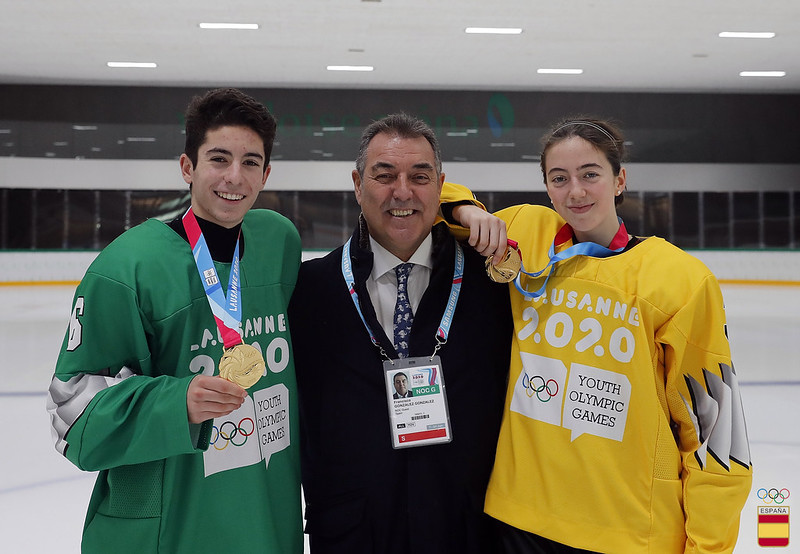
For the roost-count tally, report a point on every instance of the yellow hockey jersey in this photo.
(623, 428)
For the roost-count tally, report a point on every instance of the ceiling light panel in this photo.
(350, 68)
(493, 30)
(739, 34)
(762, 74)
(556, 71)
(146, 65)
(236, 26)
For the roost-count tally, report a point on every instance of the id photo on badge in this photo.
(401, 386)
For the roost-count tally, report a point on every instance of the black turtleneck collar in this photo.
(221, 241)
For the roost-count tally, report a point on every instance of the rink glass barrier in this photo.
(64, 219)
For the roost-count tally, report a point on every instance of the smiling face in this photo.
(228, 176)
(399, 192)
(582, 186)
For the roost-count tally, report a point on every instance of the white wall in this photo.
(305, 175)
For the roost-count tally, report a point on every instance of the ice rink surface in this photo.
(43, 498)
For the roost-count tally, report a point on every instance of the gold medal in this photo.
(242, 364)
(508, 268)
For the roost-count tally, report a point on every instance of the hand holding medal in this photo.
(507, 269)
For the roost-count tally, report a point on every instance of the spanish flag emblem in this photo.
(773, 526)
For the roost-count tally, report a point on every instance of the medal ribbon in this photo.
(227, 310)
(618, 244)
(447, 318)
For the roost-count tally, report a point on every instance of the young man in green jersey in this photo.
(189, 461)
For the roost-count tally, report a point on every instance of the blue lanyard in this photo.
(581, 249)
(227, 310)
(447, 318)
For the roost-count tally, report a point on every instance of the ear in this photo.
(266, 174)
(547, 190)
(441, 183)
(621, 180)
(357, 185)
(187, 169)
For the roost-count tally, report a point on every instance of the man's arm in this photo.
(487, 233)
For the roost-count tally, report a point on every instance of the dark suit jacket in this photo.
(409, 394)
(362, 495)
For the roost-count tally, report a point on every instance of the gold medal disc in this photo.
(242, 364)
(508, 268)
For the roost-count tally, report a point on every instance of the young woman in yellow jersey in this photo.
(623, 428)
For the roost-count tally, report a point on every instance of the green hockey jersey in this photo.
(140, 330)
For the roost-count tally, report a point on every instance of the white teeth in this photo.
(229, 196)
(401, 213)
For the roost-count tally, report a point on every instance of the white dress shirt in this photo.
(382, 282)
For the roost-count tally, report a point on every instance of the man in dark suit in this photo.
(401, 292)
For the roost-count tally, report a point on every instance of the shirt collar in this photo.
(384, 261)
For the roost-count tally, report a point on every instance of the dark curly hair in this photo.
(227, 107)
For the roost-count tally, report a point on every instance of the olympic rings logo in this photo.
(544, 390)
(230, 433)
(768, 496)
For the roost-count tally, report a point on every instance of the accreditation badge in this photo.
(415, 393)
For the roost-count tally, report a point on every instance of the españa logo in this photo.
(773, 519)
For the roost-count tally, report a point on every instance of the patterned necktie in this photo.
(403, 317)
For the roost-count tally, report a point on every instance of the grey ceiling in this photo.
(621, 45)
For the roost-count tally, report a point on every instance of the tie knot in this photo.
(402, 271)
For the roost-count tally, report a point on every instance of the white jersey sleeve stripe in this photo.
(67, 400)
(740, 445)
(719, 436)
(717, 414)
